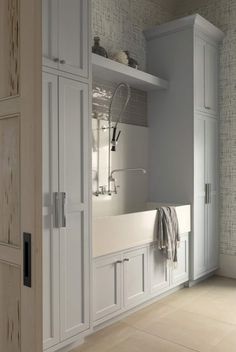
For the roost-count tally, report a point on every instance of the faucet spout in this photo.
(126, 170)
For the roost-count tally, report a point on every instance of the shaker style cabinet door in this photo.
(50, 33)
(206, 77)
(180, 273)
(135, 277)
(51, 324)
(73, 36)
(159, 271)
(212, 180)
(200, 211)
(65, 35)
(107, 292)
(73, 184)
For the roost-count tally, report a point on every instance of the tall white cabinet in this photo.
(183, 125)
(66, 155)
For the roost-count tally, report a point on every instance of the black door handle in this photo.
(27, 259)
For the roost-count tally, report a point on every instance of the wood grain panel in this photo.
(9, 308)
(9, 181)
(9, 48)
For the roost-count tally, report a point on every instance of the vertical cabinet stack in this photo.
(66, 243)
(184, 129)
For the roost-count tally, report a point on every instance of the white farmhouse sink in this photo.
(117, 233)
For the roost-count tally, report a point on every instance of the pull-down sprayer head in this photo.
(115, 136)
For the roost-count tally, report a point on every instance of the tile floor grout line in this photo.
(162, 338)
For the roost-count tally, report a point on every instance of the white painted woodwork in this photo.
(135, 277)
(51, 260)
(50, 32)
(66, 250)
(206, 250)
(159, 271)
(180, 272)
(116, 72)
(118, 233)
(180, 121)
(66, 35)
(21, 174)
(200, 213)
(74, 238)
(212, 208)
(108, 277)
(123, 280)
(206, 76)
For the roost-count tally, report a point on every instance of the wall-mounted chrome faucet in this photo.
(113, 180)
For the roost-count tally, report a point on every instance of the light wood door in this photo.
(135, 277)
(199, 241)
(51, 260)
(107, 291)
(180, 273)
(159, 271)
(212, 180)
(20, 176)
(73, 180)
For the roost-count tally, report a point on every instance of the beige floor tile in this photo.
(217, 308)
(228, 344)
(189, 329)
(142, 342)
(107, 338)
(149, 315)
(184, 296)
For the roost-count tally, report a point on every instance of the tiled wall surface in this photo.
(120, 23)
(222, 13)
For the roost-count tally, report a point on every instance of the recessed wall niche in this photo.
(9, 48)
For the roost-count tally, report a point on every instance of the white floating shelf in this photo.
(114, 71)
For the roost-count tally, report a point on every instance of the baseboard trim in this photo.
(227, 266)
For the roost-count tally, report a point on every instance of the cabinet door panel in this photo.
(73, 36)
(74, 237)
(181, 271)
(107, 294)
(199, 73)
(50, 33)
(211, 78)
(200, 215)
(159, 272)
(135, 277)
(50, 234)
(212, 208)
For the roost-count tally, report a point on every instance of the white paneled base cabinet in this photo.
(127, 279)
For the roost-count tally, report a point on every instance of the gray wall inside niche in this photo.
(136, 112)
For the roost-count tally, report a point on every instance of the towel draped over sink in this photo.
(168, 236)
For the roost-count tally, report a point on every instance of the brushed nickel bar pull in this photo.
(63, 215)
(209, 193)
(206, 193)
(56, 205)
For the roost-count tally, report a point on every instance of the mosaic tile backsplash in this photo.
(136, 112)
